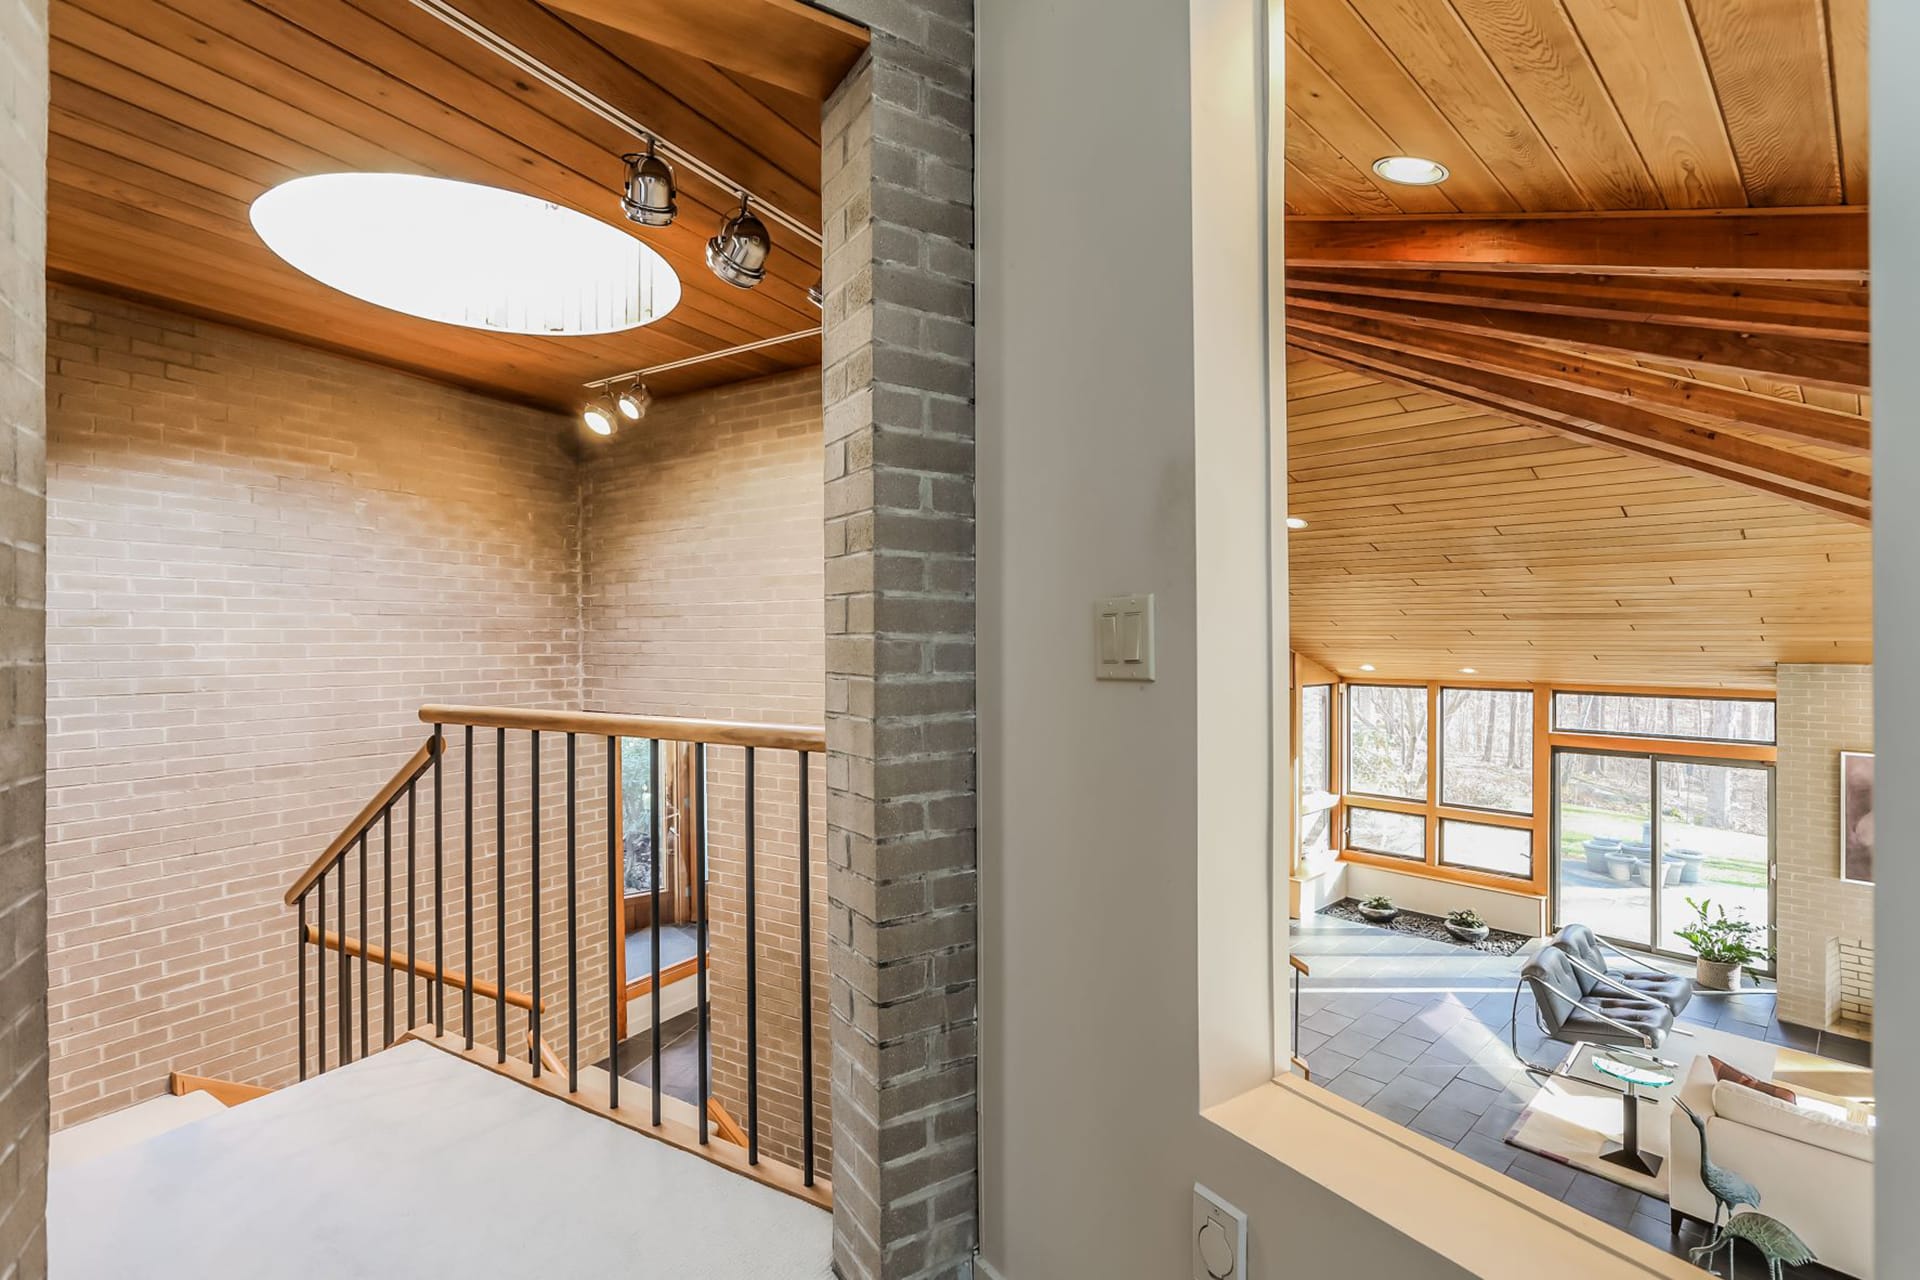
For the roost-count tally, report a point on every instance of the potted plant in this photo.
(1723, 945)
(1379, 908)
(1467, 925)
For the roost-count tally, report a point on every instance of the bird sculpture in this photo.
(1729, 1190)
(1773, 1238)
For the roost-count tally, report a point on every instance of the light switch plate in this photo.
(1123, 638)
(1219, 1237)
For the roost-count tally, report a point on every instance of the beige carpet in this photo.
(1573, 1120)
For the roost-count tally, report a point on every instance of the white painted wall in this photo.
(1098, 846)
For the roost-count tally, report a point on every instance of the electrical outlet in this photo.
(1219, 1237)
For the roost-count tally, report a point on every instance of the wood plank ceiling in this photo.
(1597, 406)
(169, 117)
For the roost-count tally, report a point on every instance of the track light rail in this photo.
(511, 53)
(741, 350)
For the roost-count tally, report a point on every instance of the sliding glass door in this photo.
(1637, 835)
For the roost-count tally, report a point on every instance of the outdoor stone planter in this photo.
(1689, 861)
(1476, 934)
(1598, 850)
(1717, 977)
(1619, 867)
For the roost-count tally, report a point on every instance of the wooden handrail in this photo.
(376, 954)
(725, 733)
(229, 1093)
(549, 1060)
(725, 1125)
(1300, 964)
(415, 766)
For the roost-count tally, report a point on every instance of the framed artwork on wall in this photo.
(1856, 816)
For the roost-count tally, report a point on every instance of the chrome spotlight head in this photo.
(633, 402)
(599, 418)
(648, 196)
(738, 254)
(818, 294)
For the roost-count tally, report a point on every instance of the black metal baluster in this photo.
(700, 916)
(386, 912)
(806, 977)
(439, 998)
(320, 967)
(653, 834)
(365, 1044)
(413, 884)
(573, 936)
(300, 951)
(533, 1014)
(466, 998)
(753, 999)
(500, 892)
(346, 971)
(616, 939)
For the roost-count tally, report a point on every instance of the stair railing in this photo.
(351, 846)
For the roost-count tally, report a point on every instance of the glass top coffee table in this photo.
(1634, 1074)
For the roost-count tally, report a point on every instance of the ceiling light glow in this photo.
(1411, 171)
(1366, 666)
(598, 420)
(1466, 671)
(467, 255)
(1295, 522)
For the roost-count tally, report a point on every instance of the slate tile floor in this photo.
(1416, 1030)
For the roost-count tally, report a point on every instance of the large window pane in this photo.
(1605, 824)
(1387, 740)
(1714, 825)
(1702, 719)
(1316, 739)
(1505, 851)
(1316, 835)
(1402, 835)
(1486, 749)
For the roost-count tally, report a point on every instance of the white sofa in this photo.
(1814, 1168)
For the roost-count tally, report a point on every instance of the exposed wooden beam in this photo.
(1811, 361)
(1839, 311)
(781, 42)
(1805, 244)
(1627, 384)
(1833, 489)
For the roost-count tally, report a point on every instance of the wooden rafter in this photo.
(1839, 311)
(1821, 362)
(1709, 403)
(784, 43)
(1805, 244)
(1824, 486)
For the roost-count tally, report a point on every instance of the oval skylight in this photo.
(465, 254)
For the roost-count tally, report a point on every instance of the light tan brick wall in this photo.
(264, 560)
(1823, 710)
(23, 903)
(702, 597)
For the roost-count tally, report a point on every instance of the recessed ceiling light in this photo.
(1411, 171)
(1466, 671)
(465, 254)
(1366, 666)
(1295, 522)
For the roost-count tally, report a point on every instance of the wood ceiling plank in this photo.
(1826, 244)
(1770, 69)
(1657, 76)
(1847, 56)
(1820, 361)
(189, 166)
(1335, 38)
(1305, 196)
(1786, 418)
(1545, 65)
(1352, 190)
(1346, 132)
(1748, 305)
(1428, 38)
(786, 43)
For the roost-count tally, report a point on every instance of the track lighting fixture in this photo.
(634, 401)
(599, 416)
(648, 196)
(818, 294)
(738, 254)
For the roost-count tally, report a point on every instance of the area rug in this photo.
(1573, 1120)
(1498, 942)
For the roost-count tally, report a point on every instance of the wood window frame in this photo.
(1545, 740)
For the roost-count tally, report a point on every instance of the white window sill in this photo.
(1488, 1224)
